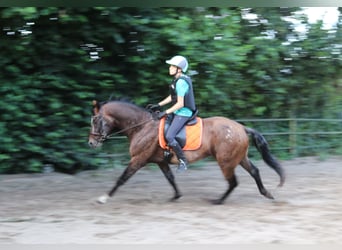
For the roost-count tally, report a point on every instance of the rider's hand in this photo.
(161, 115)
(153, 107)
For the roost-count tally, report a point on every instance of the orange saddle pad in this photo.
(193, 135)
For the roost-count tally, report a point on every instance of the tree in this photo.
(57, 60)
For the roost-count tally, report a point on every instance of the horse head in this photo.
(101, 127)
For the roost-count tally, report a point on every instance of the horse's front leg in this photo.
(165, 168)
(129, 171)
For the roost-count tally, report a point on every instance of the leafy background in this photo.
(55, 61)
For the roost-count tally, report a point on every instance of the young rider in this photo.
(183, 105)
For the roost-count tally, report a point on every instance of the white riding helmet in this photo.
(179, 61)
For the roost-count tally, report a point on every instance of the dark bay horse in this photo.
(224, 139)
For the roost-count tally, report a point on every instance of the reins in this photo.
(111, 136)
(125, 129)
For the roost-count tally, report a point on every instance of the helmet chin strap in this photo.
(177, 72)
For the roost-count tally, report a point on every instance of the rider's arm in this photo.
(165, 101)
(182, 88)
(179, 104)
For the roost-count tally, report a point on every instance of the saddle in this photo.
(190, 136)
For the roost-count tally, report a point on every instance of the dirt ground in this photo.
(56, 208)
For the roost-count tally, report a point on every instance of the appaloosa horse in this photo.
(224, 139)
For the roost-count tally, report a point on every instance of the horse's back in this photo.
(225, 132)
(219, 122)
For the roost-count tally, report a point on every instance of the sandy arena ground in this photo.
(56, 208)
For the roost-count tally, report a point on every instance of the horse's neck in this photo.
(131, 116)
(128, 117)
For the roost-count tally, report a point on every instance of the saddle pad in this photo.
(193, 135)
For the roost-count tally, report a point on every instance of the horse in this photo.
(224, 139)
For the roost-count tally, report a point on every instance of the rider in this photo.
(183, 105)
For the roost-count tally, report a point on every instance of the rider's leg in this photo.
(177, 124)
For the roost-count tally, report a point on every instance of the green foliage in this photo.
(55, 61)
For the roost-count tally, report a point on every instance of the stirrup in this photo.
(182, 166)
(168, 155)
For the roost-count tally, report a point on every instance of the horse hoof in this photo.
(176, 197)
(103, 199)
(216, 202)
(269, 196)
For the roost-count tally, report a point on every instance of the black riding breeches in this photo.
(176, 125)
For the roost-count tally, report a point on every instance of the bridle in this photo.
(104, 137)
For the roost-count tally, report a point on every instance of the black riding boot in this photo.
(183, 163)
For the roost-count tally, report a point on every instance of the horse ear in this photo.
(96, 107)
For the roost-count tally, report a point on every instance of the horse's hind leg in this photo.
(171, 178)
(229, 174)
(254, 172)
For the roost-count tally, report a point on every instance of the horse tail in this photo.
(261, 144)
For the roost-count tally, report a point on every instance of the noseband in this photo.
(102, 136)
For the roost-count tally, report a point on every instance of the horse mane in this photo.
(117, 99)
(126, 100)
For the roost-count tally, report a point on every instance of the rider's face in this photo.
(173, 70)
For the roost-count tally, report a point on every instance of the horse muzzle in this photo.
(95, 142)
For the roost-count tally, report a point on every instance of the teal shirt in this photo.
(182, 87)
